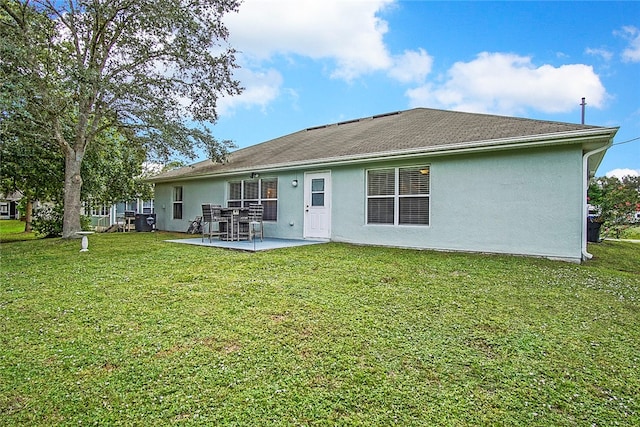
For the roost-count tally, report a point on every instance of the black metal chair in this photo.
(254, 226)
(211, 215)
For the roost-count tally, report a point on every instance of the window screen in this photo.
(381, 182)
(235, 190)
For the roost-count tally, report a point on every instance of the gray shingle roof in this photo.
(404, 131)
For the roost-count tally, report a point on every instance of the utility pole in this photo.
(584, 104)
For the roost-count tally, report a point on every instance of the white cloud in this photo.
(348, 36)
(602, 53)
(632, 34)
(347, 32)
(412, 66)
(619, 173)
(510, 84)
(260, 88)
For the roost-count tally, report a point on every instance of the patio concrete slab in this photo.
(250, 246)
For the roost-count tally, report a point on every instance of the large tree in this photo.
(616, 200)
(152, 69)
(112, 171)
(112, 168)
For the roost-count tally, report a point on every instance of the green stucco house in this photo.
(420, 178)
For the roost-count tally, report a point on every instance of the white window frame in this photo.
(147, 206)
(244, 201)
(101, 210)
(177, 202)
(396, 196)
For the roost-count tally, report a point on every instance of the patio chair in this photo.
(129, 220)
(254, 222)
(211, 216)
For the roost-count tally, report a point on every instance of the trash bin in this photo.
(593, 231)
(145, 222)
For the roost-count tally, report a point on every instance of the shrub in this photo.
(47, 221)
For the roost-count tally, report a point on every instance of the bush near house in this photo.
(616, 201)
(142, 332)
(47, 221)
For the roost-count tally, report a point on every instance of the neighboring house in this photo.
(9, 205)
(420, 178)
(104, 216)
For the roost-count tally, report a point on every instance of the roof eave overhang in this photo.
(587, 138)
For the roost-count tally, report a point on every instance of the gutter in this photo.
(585, 186)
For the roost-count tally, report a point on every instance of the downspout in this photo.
(585, 186)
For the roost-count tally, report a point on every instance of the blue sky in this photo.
(306, 63)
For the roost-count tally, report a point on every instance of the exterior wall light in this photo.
(294, 183)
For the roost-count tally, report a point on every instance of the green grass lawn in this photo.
(12, 230)
(631, 233)
(142, 332)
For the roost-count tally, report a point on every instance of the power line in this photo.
(627, 141)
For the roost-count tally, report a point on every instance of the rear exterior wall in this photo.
(526, 202)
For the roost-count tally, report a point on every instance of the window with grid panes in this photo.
(269, 198)
(147, 206)
(263, 191)
(398, 196)
(100, 210)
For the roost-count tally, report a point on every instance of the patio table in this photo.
(233, 215)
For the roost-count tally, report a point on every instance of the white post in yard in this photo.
(84, 244)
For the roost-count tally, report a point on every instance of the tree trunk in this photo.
(72, 187)
(28, 216)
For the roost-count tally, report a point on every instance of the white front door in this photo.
(317, 205)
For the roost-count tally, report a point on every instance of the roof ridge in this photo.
(361, 119)
(502, 116)
(398, 112)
